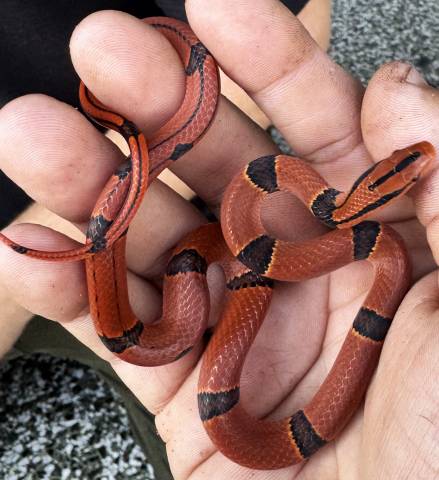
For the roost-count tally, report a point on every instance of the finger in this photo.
(13, 320)
(40, 286)
(34, 283)
(267, 51)
(14, 317)
(49, 148)
(401, 416)
(399, 102)
(63, 162)
(239, 97)
(126, 63)
(315, 17)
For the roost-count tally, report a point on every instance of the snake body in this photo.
(266, 444)
(186, 302)
(251, 259)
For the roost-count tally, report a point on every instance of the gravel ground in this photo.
(59, 420)
(366, 34)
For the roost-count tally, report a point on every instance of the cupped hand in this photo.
(62, 161)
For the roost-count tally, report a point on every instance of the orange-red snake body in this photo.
(252, 259)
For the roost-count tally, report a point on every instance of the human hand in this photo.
(49, 149)
(14, 317)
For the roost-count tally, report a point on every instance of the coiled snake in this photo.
(251, 259)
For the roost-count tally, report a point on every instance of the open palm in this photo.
(52, 152)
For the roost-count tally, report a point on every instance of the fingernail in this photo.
(415, 78)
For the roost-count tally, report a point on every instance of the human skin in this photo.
(315, 17)
(52, 152)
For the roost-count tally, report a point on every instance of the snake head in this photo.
(399, 172)
(382, 183)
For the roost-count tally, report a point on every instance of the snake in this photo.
(104, 250)
(267, 444)
(252, 259)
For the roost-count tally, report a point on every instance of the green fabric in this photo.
(45, 336)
